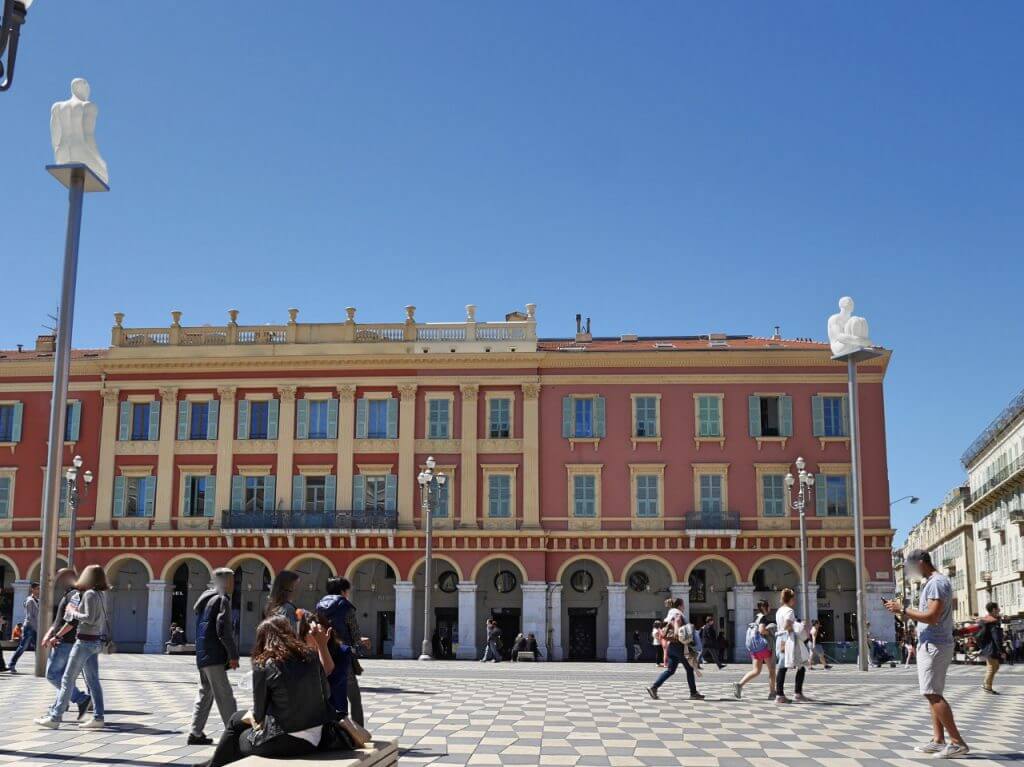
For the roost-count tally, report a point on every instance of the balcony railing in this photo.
(341, 521)
(722, 520)
(1012, 468)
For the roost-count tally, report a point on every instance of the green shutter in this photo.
(118, 497)
(273, 417)
(243, 419)
(269, 492)
(332, 418)
(818, 416)
(5, 497)
(124, 423)
(785, 416)
(358, 493)
(567, 417)
(362, 418)
(391, 493)
(598, 416)
(330, 491)
(298, 493)
(237, 492)
(186, 495)
(75, 425)
(846, 416)
(212, 416)
(302, 419)
(393, 417)
(154, 420)
(184, 411)
(62, 508)
(150, 506)
(210, 501)
(19, 412)
(754, 415)
(821, 496)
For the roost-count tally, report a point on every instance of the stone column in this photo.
(470, 432)
(535, 610)
(555, 651)
(225, 449)
(681, 591)
(406, 455)
(21, 589)
(617, 622)
(743, 596)
(165, 458)
(285, 445)
(531, 456)
(346, 444)
(105, 469)
(402, 647)
(883, 624)
(158, 615)
(467, 621)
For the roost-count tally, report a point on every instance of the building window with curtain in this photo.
(499, 418)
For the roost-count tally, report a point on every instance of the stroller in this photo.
(880, 653)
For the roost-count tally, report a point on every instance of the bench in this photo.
(525, 655)
(9, 644)
(180, 649)
(377, 753)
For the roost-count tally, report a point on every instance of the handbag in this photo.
(336, 738)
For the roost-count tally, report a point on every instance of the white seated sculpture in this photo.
(73, 130)
(846, 332)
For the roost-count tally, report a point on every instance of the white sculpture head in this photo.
(80, 88)
(846, 305)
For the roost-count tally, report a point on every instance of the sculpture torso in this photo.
(847, 333)
(72, 132)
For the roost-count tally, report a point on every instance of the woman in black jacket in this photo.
(291, 700)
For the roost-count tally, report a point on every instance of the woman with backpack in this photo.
(679, 637)
(760, 640)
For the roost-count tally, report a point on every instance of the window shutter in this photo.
(186, 495)
(846, 415)
(567, 417)
(818, 416)
(362, 418)
(118, 497)
(237, 492)
(391, 493)
(212, 416)
(821, 497)
(124, 423)
(330, 491)
(154, 420)
(74, 427)
(393, 417)
(62, 509)
(598, 416)
(273, 417)
(302, 419)
(298, 493)
(269, 492)
(358, 493)
(332, 418)
(5, 497)
(184, 411)
(754, 415)
(150, 496)
(19, 411)
(243, 419)
(210, 502)
(785, 416)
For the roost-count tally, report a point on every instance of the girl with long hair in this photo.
(285, 584)
(793, 651)
(765, 656)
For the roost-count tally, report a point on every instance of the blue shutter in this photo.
(821, 496)
(330, 492)
(785, 416)
(302, 419)
(754, 415)
(75, 425)
(243, 419)
(332, 418)
(5, 497)
(237, 492)
(269, 492)
(846, 416)
(818, 416)
(210, 502)
(598, 416)
(567, 417)
(124, 424)
(391, 493)
(212, 415)
(154, 420)
(273, 416)
(358, 493)
(186, 495)
(298, 493)
(362, 418)
(118, 497)
(184, 411)
(393, 417)
(150, 506)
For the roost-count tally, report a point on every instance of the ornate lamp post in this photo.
(430, 492)
(800, 489)
(10, 29)
(74, 496)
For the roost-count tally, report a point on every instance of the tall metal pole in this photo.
(58, 410)
(858, 529)
(804, 602)
(428, 490)
(73, 502)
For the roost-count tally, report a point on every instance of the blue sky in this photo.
(661, 167)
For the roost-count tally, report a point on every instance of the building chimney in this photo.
(46, 343)
(777, 335)
(21, 347)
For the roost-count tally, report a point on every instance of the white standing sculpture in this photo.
(73, 130)
(847, 333)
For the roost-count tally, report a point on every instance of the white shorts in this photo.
(933, 662)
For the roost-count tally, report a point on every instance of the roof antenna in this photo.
(588, 326)
(579, 321)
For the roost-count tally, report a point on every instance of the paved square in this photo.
(586, 715)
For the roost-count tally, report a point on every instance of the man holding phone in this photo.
(934, 651)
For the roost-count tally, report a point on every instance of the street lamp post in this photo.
(800, 489)
(74, 496)
(430, 490)
(15, 12)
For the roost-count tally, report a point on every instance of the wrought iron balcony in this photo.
(697, 521)
(340, 521)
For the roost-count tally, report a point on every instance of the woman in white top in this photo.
(792, 651)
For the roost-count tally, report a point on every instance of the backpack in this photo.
(755, 640)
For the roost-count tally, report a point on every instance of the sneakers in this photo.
(931, 747)
(954, 751)
(652, 692)
(91, 724)
(84, 706)
(737, 690)
(199, 740)
(47, 721)
(696, 696)
(802, 698)
(989, 690)
(782, 699)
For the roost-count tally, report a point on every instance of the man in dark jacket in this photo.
(709, 638)
(337, 610)
(215, 654)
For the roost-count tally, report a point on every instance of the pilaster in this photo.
(535, 612)
(617, 622)
(225, 448)
(346, 444)
(555, 651)
(158, 614)
(402, 646)
(406, 454)
(165, 458)
(743, 596)
(467, 621)
(105, 468)
(531, 456)
(470, 433)
(286, 443)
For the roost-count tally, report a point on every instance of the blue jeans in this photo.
(676, 657)
(55, 665)
(28, 642)
(84, 658)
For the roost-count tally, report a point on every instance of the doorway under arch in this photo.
(188, 581)
(128, 603)
(648, 583)
(584, 610)
(249, 600)
(499, 595)
(373, 594)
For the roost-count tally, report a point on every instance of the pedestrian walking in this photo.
(216, 652)
(283, 588)
(493, 650)
(91, 619)
(989, 640)
(709, 641)
(29, 626)
(60, 647)
(818, 645)
(934, 652)
(638, 649)
(657, 642)
(760, 643)
(909, 645)
(794, 653)
(679, 636)
(338, 611)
